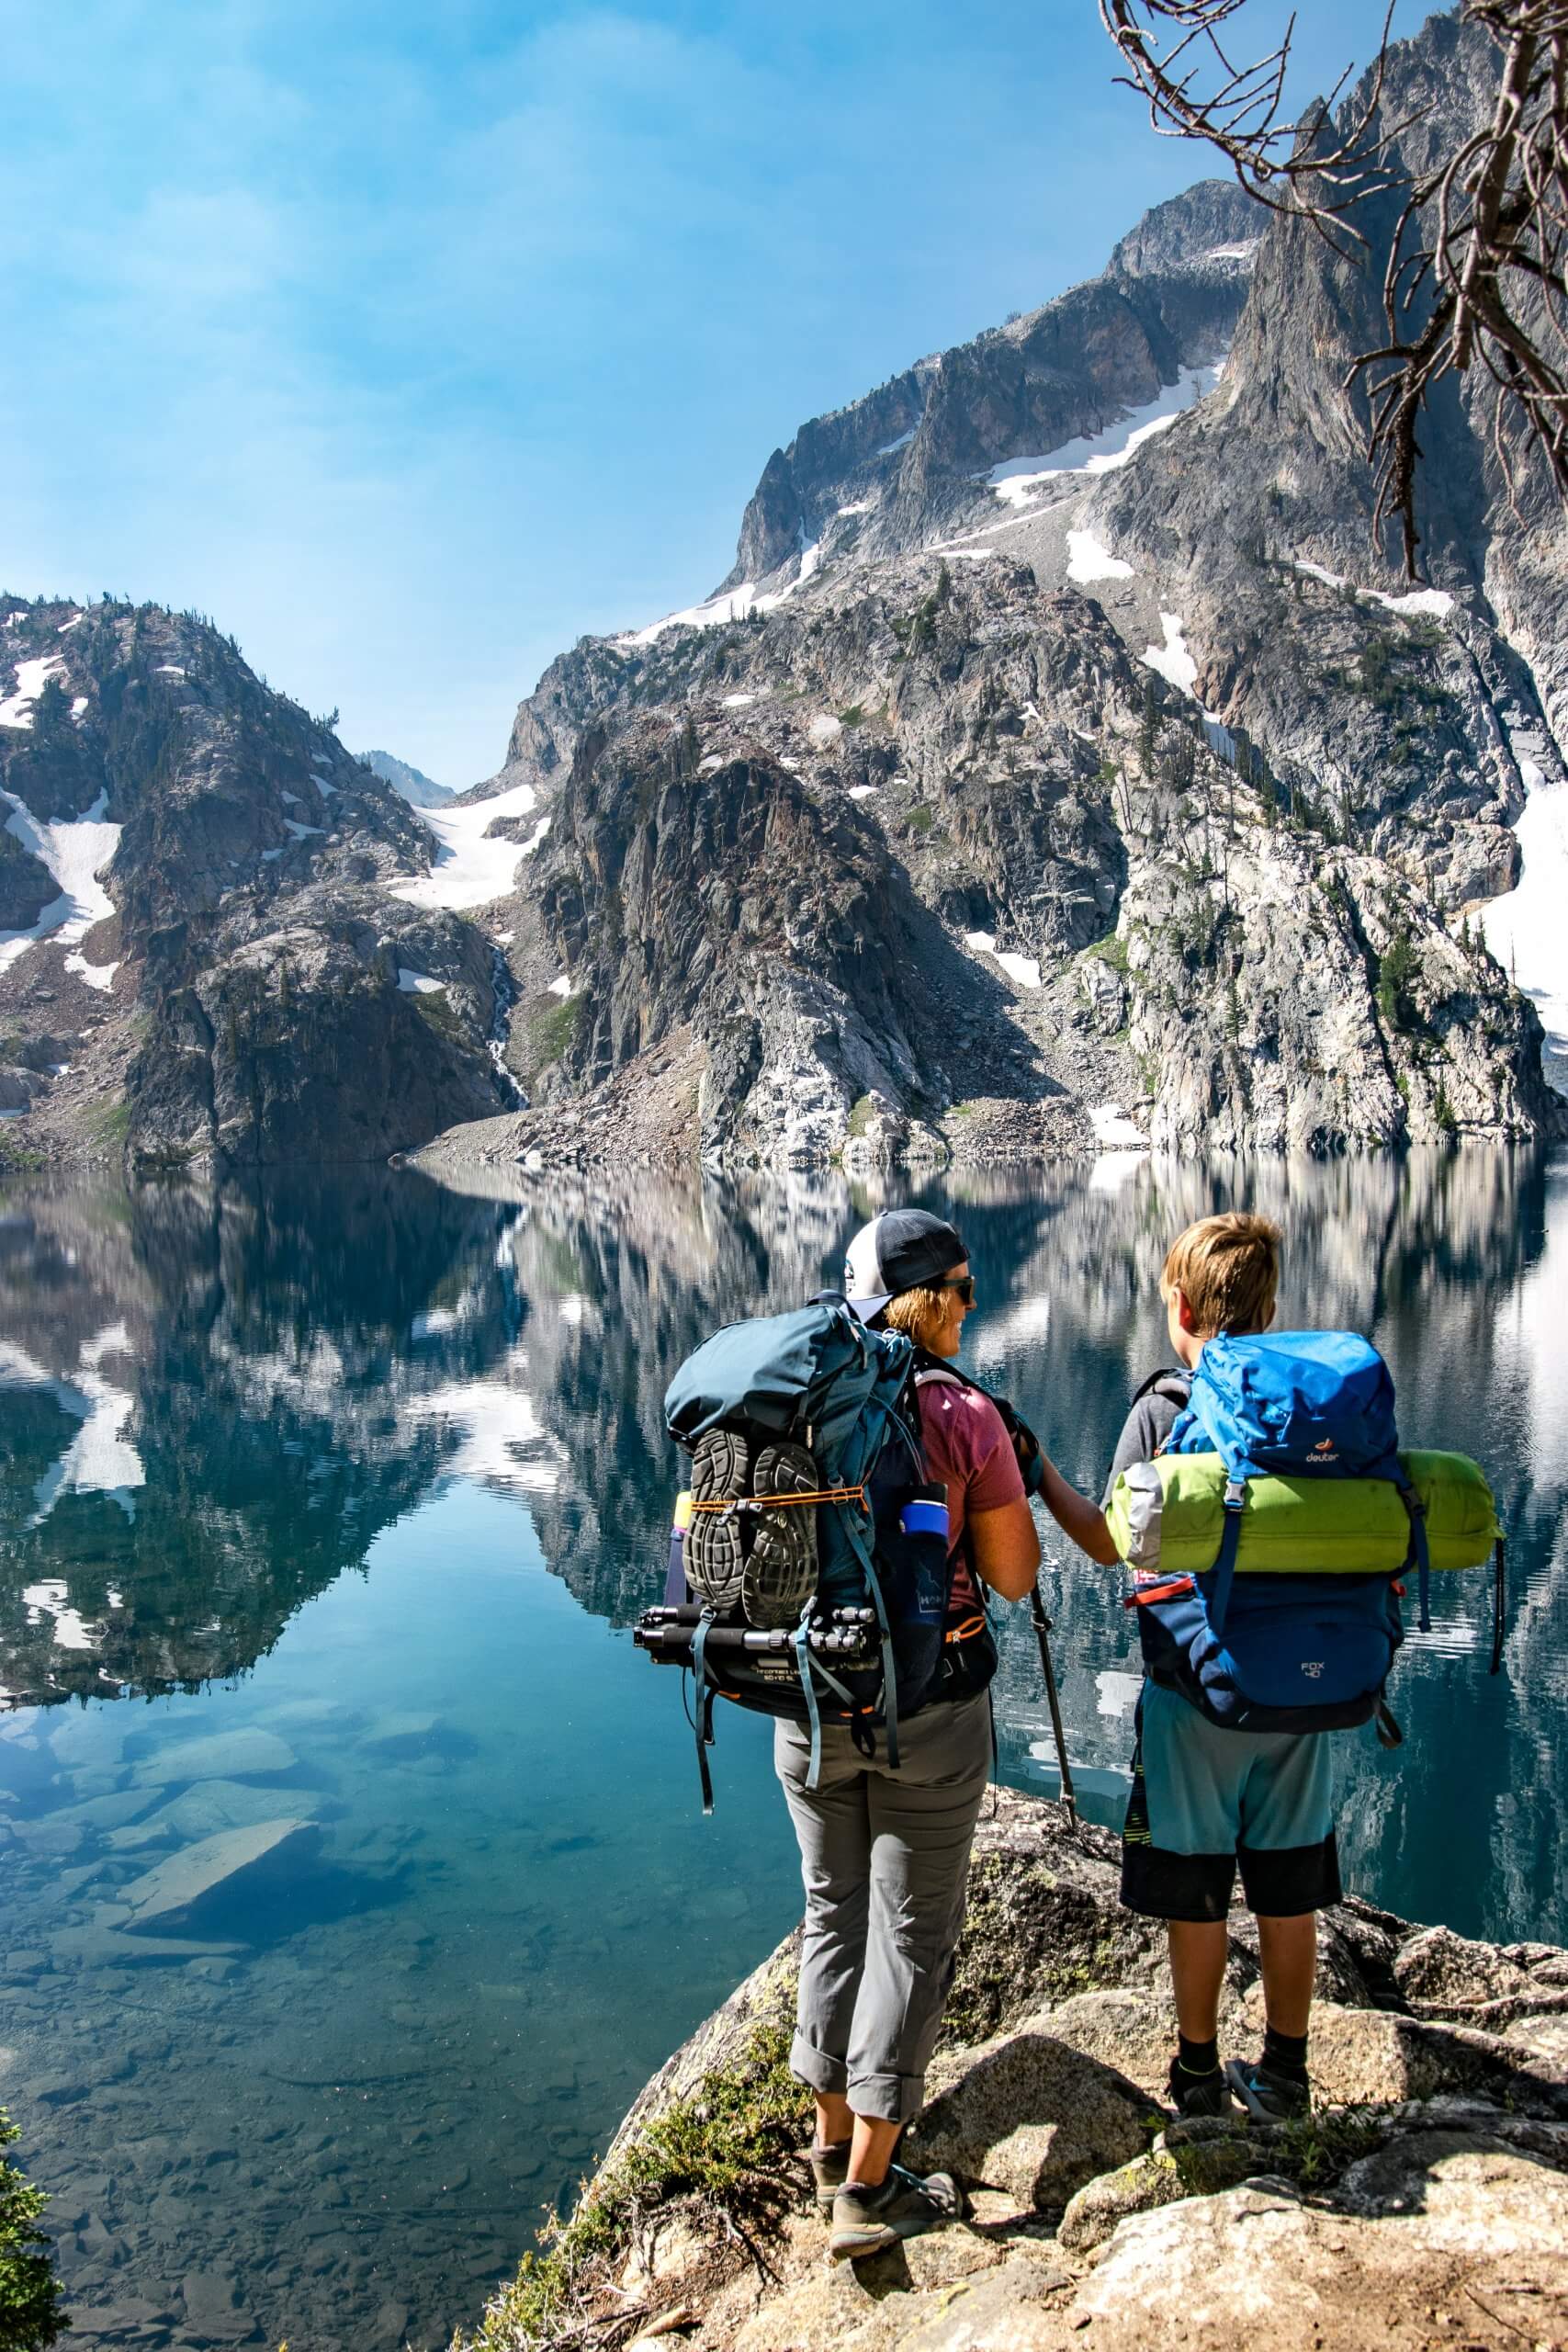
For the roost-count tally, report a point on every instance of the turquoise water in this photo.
(324, 1510)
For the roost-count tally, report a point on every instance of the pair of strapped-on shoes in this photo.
(773, 1576)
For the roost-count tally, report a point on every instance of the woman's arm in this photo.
(1076, 1516)
(1004, 1546)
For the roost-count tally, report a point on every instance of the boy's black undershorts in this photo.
(1206, 1803)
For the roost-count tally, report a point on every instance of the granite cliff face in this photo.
(208, 958)
(1059, 766)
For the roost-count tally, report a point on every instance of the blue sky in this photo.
(410, 340)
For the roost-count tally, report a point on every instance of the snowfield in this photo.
(469, 869)
(1524, 929)
(718, 612)
(1087, 559)
(75, 850)
(1173, 662)
(1016, 481)
(1112, 1129)
(17, 710)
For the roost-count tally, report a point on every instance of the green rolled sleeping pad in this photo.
(1167, 1515)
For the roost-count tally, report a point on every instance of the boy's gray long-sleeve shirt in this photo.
(1146, 1428)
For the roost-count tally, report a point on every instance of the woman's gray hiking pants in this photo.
(885, 1861)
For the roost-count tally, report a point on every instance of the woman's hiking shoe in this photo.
(1267, 2095)
(867, 2220)
(721, 1469)
(780, 1575)
(830, 2170)
(1193, 2095)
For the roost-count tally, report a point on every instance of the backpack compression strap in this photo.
(702, 1707)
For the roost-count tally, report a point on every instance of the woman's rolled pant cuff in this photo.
(886, 2098)
(815, 2069)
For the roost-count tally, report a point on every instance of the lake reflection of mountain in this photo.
(212, 1401)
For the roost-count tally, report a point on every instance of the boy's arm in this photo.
(1147, 1427)
(1077, 1518)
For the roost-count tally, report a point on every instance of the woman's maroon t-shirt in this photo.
(967, 1447)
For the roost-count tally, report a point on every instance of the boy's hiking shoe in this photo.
(830, 2170)
(780, 1575)
(1193, 2095)
(868, 2220)
(721, 1469)
(1268, 2097)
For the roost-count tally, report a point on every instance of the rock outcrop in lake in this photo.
(1426, 2200)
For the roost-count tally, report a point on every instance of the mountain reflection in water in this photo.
(368, 1902)
(213, 1400)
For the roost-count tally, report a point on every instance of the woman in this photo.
(886, 1855)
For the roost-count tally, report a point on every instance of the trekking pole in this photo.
(1042, 1633)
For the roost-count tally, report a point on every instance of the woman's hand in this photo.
(1004, 1546)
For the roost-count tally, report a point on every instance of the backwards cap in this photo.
(899, 1250)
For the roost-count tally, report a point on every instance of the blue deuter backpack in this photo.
(1285, 1652)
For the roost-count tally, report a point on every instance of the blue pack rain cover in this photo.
(1317, 1401)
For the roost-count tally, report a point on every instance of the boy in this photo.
(1207, 1799)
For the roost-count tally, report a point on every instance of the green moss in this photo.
(553, 1033)
(728, 2146)
(853, 717)
(861, 1116)
(30, 2316)
(1111, 950)
(922, 817)
(109, 1122)
(437, 1010)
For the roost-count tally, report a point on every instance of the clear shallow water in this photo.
(350, 1491)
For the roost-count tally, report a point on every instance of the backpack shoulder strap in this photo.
(1174, 1385)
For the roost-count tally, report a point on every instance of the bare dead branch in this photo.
(1476, 283)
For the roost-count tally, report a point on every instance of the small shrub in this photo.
(30, 2316)
(922, 817)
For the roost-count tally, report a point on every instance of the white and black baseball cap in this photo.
(899, 1250)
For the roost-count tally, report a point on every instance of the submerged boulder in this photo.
(187, 1879)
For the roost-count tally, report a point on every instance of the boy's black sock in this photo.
(1199, 2057)
(1285, 2053)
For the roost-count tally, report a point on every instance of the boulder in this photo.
(230, 1755)
(187, 1878)
(1460, 2224)
(1438, 1968)
(1164, 2177)
(210, 1806)
(1365, 2056)
(1029, 2115)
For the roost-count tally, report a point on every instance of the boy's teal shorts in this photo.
(1205, 1802)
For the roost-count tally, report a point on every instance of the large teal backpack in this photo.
(870, 1645)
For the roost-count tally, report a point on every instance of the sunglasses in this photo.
(962, 1283)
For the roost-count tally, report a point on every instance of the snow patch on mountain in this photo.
(75, 849)
(1020, 479)
(472, 865)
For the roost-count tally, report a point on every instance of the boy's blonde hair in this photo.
(1227, 1269)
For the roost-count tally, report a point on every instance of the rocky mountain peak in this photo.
(1214, 221)
(904, 466)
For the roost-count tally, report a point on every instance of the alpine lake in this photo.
(355, 1875)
